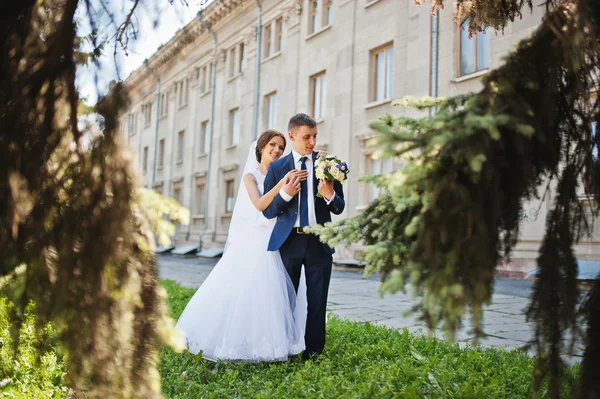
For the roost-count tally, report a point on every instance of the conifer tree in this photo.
(76, 234)
(451, 214)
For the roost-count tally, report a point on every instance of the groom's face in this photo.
(304, 139)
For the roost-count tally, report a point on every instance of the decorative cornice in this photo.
(189, 34)
(230, 167)
(292, 12)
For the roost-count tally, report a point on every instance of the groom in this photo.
(294, 213)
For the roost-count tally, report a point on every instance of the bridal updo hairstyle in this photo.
(264, 139)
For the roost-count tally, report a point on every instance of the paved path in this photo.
(355, 298)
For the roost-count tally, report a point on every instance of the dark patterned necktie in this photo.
(303, 197)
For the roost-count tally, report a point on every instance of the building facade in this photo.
(222, 81)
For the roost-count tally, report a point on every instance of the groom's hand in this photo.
(326, 189)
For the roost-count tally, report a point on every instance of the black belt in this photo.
(299, 230)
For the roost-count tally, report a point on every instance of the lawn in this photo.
(361, 360)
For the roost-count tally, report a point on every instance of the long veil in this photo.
(244, 212)
(246, 309)
(244, 218)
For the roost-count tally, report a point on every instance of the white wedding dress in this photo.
(246, 310)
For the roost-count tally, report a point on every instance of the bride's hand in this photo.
(321, 153)
(291, 185)
(300, 174)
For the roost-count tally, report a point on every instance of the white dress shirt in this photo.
(312, 217)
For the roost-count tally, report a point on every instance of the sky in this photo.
(157, 20)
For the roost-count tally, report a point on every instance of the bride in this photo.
(246, 309)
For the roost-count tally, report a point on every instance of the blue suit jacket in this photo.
(287, 212)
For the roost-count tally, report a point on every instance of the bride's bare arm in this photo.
(261, 203)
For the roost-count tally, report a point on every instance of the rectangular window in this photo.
(278, 34)
(145, 162)
(591, 136)
(164, 106)
(182, 93)
(241, 58)
(270, 110)
(268, 40)
(177, 194)
(377, 167)
(232, 62)
(313, 12)
(161, 153)
(328, 12)
(200, 198)
(180, 145)
(234, 126)
(147, 112)
(204, 137)
(382, 73)
(474, 52)
(318, 86)
(133, 124)
(203, 79)
(229, 196)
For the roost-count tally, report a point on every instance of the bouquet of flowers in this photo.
(331, 168)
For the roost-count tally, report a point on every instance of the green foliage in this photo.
(360, 361)
(75, 233)
(452, 213)
(35, 370)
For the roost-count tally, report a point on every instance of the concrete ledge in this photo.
(210, 253)
(349, 264)
(588, 270)
(163, 250)
(185, 250)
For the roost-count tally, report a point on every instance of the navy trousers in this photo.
(307, 250)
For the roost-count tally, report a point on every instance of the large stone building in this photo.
(340, 61)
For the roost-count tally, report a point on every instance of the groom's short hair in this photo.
(299, 120)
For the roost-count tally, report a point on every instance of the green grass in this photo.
(360, 361)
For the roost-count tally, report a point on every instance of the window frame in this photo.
(200, 197)
(384, 164)
(232, 61)
(234, 134)
(180, 145)
(164, 106)
(313, 95)
(327, 13)
(313, 16)
(588, 189)
(147, 112)
(267, 116)
(460, 29)
(268, 39)
(182, 93)
(161, 153)
(278, 42)
(145, 160)
(373, 73)
(204, 139)
(240, 62)
(229, 195)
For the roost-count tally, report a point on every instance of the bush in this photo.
(22, 373)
